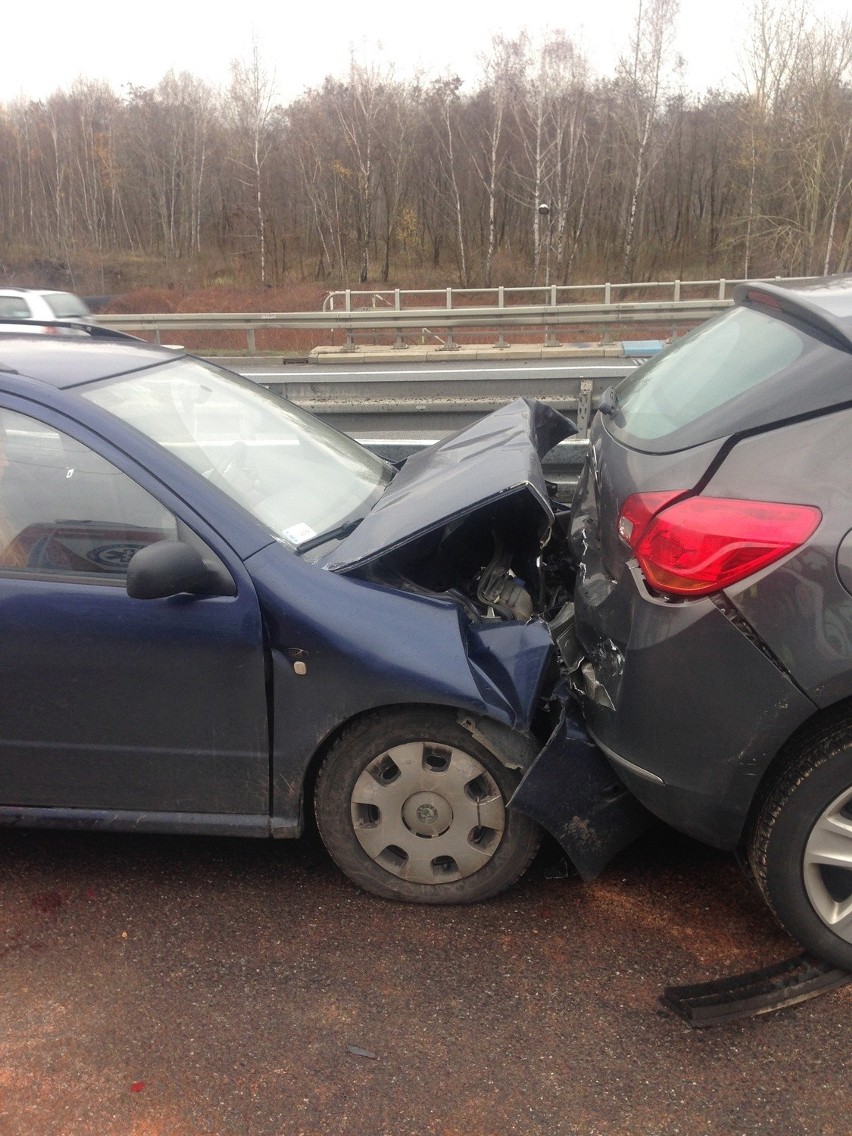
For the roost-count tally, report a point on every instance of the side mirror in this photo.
(167, 568)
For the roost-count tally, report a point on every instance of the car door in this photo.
(112, 703)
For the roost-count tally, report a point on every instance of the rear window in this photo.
(14, 307)
(715, 364)
(66, 306)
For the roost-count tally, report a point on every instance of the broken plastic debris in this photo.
(758, 992)
(359, 1052)
(137, 1086)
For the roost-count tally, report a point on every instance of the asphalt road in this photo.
(158, 986)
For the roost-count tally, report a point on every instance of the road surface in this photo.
(198, 987)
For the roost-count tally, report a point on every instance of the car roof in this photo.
(35, 292)
(68, 361)
(825, 303)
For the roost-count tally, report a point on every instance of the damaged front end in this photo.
(570, 789)
(473, 520)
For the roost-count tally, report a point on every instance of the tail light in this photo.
(756, 297)
(698, 545)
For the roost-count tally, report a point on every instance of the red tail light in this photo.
(756, 297)
(700, 545)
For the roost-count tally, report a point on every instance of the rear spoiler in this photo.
(826, 306)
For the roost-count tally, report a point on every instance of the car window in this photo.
(64, 305)
(14, 307)
(66, 511)
(714, 364)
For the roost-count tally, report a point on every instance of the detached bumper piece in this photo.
(758, 992)
(572, 792)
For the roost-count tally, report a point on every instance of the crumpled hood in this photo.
(498, 455)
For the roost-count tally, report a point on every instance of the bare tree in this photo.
(766, 62)
(372, 175)
(360, 105)
(445, 97)
(824, 101)
(642, 74)
(170, 138)
(841, 191)
(551, 124)
(317, 149)
(251, 111)
(503, 73)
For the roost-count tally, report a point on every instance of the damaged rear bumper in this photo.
(571, 790)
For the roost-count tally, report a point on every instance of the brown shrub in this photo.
(218, 298)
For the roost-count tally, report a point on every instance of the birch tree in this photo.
(642, 74)
(251, 111)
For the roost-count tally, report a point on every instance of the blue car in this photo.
(218, 612)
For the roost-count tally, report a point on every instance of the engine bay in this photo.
(505, 561)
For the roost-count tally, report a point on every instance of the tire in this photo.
(412, 808)
(800, 849)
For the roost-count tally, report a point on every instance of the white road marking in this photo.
(439, 371)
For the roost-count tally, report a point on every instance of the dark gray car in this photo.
(713, 531)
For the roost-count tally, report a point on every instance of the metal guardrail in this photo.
(424, 321)
(368, 401)
(552, 294)
(456, 309)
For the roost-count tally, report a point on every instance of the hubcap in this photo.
(828, 866)
(428, 813)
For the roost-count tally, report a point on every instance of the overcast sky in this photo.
(47, 45)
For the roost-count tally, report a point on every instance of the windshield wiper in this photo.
(332, 534)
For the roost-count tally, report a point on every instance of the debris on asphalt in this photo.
(757, 992)
(359, 1052)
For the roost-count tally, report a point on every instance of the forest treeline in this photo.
(370, 178)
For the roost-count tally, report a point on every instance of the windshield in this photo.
(297, 475)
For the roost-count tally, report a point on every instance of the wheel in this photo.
(412, 808)
(800, 849)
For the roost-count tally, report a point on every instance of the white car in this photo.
(43, 306)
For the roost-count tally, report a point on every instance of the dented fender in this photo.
(391, 649)
(509, 662)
